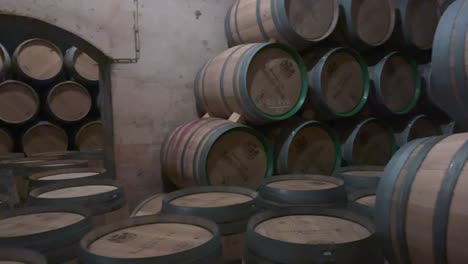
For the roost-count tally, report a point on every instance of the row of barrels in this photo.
(359, 24)
(212, 151)
(48, 137)
(268, 82)
(39, 62)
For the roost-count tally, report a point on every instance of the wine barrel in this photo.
(443, 5)
(229, 207)
(263, 82)
(19, 103)
(95, 157)
(426, 102)
(11, 156)
(38, 61)
(296, 23)
(68, 102)
(90, 136)
(150, 206)
(338, 85)
(297, 143)
(6, 142)
(10, 255)
(5, 63)
(52, 231)
(363, 202)
(68, 172)
(418, 22)
(301, 190)
(370, 143)
(103, 198)
(420, 126)
(396, 85)
(311, 235)
(360, 177)
(421, 211)
(5, 201)
(81, 67)
(212, 151)
(449, 86)
(44, 137)
(452, 128)
(365, 24)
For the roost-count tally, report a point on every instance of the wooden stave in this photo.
(82, 128)
(67, 237)
(269, 249)
(23, 76)
(244, 105)
(35, 182)
(361, 209)
(206, 253)
(36, 97)
(142, 204)
(21, 255)
(53, 115)
(354, 182)
(283, 32)
(403, 137)
(376, 97)
(5, 70)
(315, 94)
(42, 123)
(452, 102)
(348, 145)
(69, 63)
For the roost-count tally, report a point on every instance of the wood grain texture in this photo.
(302, 185)
(90, 136)
(79, 191)
(69, 101)
(150, 206)
(39, 59)
(213, 199)
(44, 137)
(18, 102)
(86, 67)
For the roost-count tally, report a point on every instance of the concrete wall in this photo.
(157, 47)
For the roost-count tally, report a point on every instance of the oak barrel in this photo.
(5, 63)
(229, 207)
(297, 23)
(10, 255)
(95, 157)
(304, 147)
(421, 211)
(19, 103)
(52, 231)
(420, 126)
(11, 156)
(90, 136)
(81, 67)
(396, 85)
(365, 24)
(149, 206)
(371, 142)
(38, 61)
(360, 177)
(311, 235)
(66, 171)
(171, 239)
(363, 202)
(212, 151)
(6, 142)
(427, 104)
(103, 198)
(301, 190)
(44, 137)
(449, 61)
(338, 85)
(68, 102)
(263, 82)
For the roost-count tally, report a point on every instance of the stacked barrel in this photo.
(48, 99)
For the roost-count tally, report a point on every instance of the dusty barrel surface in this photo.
(44, 137)
(371, 142)
(449, 88)
(421, 210)
(360, 177)
(38, 61)
(81, 67)
(10, 255)
(5, 63)
(19, 103)
(304, 147)
(363, 202)
(213, 151)
(61, 172)
(396, 85)
(154, 239)
(150, 206)
(296, 23)
(420, 126)
(365, 24)
(68, 102)
(229, 207)
(263, 82)
(6, 142)
(301, 190)
(90, 136)
(309, 235)
(338, 84)
(103, 198)
(52, 231)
